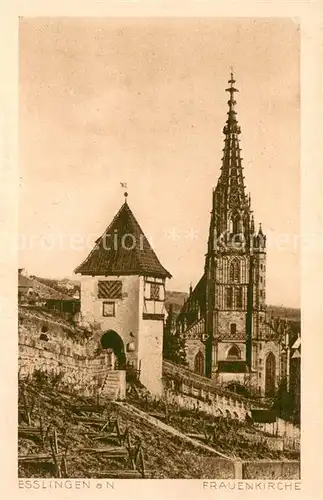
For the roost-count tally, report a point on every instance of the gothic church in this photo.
(227, 335)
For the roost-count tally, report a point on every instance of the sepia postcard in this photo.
(158, 279)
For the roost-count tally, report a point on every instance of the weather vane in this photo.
(125, 186)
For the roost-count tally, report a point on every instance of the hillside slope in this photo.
(165, 456)
(177, 299)
(92, 447)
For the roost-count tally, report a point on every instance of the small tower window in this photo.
(234, 353)
(233, 328)
(108, 309)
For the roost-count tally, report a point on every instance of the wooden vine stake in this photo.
(55, 441)
(42, 431)
(142, 459)
(118, 431)
(47, 432)
(214, 435)
(131, 460)
(32, 407)
(55, 458)
(24, 399)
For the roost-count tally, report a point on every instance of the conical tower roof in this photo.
(123, 249)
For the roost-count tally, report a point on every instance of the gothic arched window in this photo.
(234, 270)
(229, 297)
(239, 297)
(199, 363)
(234, 353)
(235, 223)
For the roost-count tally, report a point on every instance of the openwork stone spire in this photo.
(231, 179)
(231, 206)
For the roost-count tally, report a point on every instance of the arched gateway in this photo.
(112, 340)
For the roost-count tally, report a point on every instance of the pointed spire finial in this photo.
(231, 89)
(231, 124)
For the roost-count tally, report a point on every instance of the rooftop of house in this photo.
(42, 291)
(23, 281)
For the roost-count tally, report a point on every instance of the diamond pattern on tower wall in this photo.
(110, 289)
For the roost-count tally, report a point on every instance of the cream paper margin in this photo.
(310, 17)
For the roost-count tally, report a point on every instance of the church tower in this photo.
(223, 320)
(235, 265)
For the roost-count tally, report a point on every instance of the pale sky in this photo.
(143, 101)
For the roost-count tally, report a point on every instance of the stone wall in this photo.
(219, 406)
(82, 375)
(59, 332)
(189, 390)
(271, 469)
(52, 345)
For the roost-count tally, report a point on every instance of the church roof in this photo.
(123, 249)
(198, 295)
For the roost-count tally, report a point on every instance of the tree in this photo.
(173, 341)
(283, 402)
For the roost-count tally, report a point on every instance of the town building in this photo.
(33, 291)
(25, 284)
(123, 294)
(227, 333)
